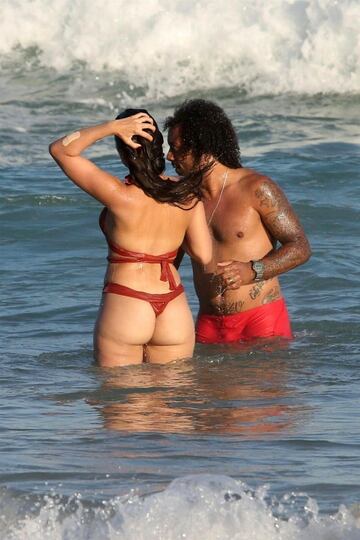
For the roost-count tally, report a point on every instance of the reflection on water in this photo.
(231, 393)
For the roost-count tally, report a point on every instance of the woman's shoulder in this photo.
(188, 208)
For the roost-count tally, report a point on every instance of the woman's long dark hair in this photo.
(147, 163)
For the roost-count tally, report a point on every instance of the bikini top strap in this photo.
(124, 255)
(127, 256)
(166, 272)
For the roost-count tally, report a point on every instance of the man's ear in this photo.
(207, 162)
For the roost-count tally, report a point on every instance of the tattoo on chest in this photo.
(256, 290)
(273, 294)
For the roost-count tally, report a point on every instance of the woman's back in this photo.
(146, 226)
(142, 224)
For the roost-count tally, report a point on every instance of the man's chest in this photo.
(232, 222)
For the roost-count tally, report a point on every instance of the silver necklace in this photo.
(225, 177)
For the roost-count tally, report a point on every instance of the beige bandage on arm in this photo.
(70, 138)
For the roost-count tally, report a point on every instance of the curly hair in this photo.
(147, 162)
(206, 130)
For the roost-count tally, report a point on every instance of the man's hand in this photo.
(235, 273)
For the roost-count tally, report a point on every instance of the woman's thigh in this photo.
(123, 325)
(174, 335)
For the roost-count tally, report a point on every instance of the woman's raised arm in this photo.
(98, 183)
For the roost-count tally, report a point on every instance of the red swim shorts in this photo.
(263, 321)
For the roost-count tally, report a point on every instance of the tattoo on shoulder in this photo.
(268, 196)
(271, 296)
(256, 290)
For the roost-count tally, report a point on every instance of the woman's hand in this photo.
(126, 128)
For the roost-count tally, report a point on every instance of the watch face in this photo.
(258, 267)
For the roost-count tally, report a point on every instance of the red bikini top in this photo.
(126, 256)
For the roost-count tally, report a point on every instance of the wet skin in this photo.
(253, 220)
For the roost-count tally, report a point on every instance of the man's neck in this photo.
(213, 180)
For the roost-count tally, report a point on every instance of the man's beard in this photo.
(177, 168)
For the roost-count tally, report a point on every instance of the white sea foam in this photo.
(195, 507)
(168, 48)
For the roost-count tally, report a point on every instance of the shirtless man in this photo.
(256, 233)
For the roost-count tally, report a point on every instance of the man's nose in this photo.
(169, 156)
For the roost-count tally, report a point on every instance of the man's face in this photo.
(183, 163)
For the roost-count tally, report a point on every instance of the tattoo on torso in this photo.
(271, 296)
(228, 309)
(217, 284)
(256, 290)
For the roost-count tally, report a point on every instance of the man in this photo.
(248, 214)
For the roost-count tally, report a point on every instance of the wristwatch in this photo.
(259, 269)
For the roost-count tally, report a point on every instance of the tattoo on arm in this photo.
(282, 224)
(267, 198)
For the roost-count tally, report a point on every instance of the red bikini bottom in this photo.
(157, 301)
(262, 321)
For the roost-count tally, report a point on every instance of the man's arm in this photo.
(283, 225)
(197, 242)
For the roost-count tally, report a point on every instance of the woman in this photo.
(145, 220)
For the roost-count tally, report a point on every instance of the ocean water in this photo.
(248, 442)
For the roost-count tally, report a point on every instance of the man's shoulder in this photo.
(250, 179)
